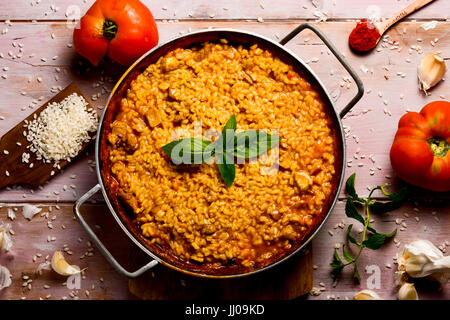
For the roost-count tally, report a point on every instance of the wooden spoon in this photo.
(382, 26)
(12, 169)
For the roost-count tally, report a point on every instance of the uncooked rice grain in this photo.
(61, 129)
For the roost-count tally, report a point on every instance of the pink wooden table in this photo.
(36, 43)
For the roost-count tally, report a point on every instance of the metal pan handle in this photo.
(100, 245)
(338, 56)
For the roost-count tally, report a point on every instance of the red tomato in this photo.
(121, 29)
(420, 153)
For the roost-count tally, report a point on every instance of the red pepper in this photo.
(420, 153)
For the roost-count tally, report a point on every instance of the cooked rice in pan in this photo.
(189, 210)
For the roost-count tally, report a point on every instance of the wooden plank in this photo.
(35, 232)
(435, 216)
(32, 171)
(30, 239)
(232, 9)
(374, 130)
(287, 281)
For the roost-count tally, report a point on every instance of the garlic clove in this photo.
(44, 266)
(11, 214)
(29, 211)
(5, 278)
(400, 277)
(2, 236)
(430, 71)
(5, 240)
(60, 265)
(407, 292)
(366, 295)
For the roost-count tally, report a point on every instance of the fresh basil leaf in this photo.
(231, 124)
(336, 259)
(378, 239)
(227, 169)
(346, 255)
(337, 265)
(228, 133)
(350, 188)
(397, 199)
(351, 212)
(225, 143)
(382, 207)
(400, 195)
(336, 272)
(350, 237)
(186, 151)
(252, 143)
(356, 273)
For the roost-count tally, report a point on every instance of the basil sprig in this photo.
(376, 239)
(228, 147)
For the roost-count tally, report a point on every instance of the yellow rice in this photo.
(190, 211)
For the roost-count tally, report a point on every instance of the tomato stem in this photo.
(109, 29)
(439, 146)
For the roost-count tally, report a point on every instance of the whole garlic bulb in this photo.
(366, 295)
(421, 258)
(408, 292)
